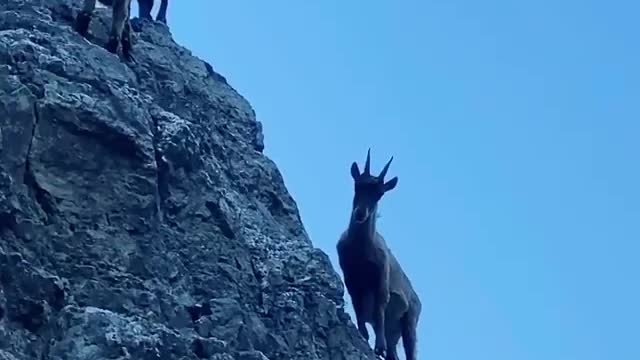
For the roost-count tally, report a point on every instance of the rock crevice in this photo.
(138, 216)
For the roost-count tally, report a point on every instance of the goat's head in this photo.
(369, 189)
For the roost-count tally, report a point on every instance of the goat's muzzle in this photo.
(360, 214)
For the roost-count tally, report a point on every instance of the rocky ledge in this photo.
(139, 218)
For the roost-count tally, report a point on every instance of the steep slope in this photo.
(139, 218)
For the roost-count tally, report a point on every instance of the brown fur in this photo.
(380, 291)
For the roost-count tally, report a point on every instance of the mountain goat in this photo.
(380, 291)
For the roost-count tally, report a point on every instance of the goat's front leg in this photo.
(380, 304)
(359, 302)
(382, 298)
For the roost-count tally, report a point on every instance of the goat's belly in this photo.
(365, 277)
(396, 307)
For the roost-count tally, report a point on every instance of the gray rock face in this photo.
(139, 218)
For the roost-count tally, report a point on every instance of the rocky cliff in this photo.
(139, 218)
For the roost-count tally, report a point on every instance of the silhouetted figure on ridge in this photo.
(380, 291)
(145, 6)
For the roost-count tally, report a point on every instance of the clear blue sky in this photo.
(515, 128)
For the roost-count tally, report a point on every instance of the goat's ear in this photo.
(355, 172)
(389, 185)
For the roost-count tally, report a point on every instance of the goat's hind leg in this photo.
(84, 17)
(409, 337)
(144, 9)
(162, 12)
(392, 333)
(379, 309)
(119, 21)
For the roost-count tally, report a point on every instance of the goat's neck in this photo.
(363, 232)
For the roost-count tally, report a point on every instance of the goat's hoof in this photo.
(162, 20)
(380, 349)
(112, 45)
(82, 23)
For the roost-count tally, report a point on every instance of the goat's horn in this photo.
(367, 163)
(384, 170)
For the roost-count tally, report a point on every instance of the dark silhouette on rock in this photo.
(145, 6)
(139, 218)
(380, 291)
